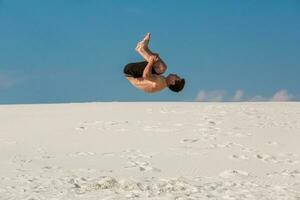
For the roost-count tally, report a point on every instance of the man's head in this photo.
(175, 83)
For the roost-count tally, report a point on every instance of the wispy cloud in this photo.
(239, 95)
(282, 95)
(201, 96)
(212, 96)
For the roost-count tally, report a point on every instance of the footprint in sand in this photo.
(141, 165)
(290, 173)
(207, 136)
(287, 173)
(248, 150)
(225, 145)
(54, 167)
(42, 154)
(103, 125)
(292, 162)
(266, 158)
(239, 157)
(231, 145)
(77, 154)
(189, 140)
(81, 128)
(212, 123)
(138, 160)
(272, 143)
(84, 125)
(234, 174)
(21, 160)
(287, 158)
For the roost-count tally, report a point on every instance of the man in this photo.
(147, 75)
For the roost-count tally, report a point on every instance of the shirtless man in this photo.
(147, 75)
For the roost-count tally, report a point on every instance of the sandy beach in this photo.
(150, 150)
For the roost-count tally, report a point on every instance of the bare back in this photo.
(154, 84)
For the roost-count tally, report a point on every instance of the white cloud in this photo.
(238, 96)
(282, 95)
(219, 95)
(201, 96)
(211, 96)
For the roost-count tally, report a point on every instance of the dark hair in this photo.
(178, 86)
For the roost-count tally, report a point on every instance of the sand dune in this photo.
(149, 150)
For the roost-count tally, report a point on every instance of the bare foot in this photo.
(142, 45)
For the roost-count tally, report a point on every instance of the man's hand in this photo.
(147, 74)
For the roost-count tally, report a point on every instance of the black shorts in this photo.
(136, 70)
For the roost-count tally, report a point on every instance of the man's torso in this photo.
(155, 84)
(134, 74)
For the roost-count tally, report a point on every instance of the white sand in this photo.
(150, 151)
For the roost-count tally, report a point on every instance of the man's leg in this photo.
(142, 48)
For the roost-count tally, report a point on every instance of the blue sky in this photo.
(56, 51)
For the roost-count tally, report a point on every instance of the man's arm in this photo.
(148, 69)
(160, 64)
(142, 48)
